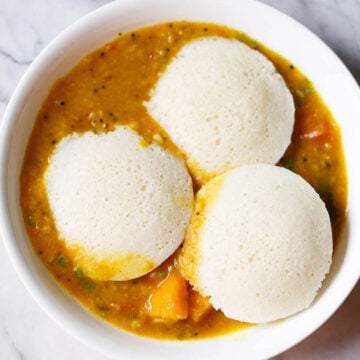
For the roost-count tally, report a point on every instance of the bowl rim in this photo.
(9, 123)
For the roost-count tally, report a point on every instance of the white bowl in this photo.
(270, 27)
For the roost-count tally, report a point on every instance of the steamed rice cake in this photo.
(259, 243)
(224, 105)
(120, 205)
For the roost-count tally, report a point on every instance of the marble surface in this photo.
(26, 27)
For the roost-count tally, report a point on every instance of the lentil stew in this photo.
(107, 88)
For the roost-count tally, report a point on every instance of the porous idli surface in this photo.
(121, 206)
(259, 243)
(224, 105)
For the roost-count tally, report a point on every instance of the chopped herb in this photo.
(162, 273)
(308, 90)
(89, 285)
(119, 33)
(288, 164)
(240, 37)
(62, 260)
(254, 44)
(102, 313)
(79, 273)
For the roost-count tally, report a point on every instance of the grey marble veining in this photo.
(26, 27)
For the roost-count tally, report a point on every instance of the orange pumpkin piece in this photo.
(169, 300)
(199, 306)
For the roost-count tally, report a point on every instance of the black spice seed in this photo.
(91, 69)
(133, 35)
(45, 117)
(95, 91)
(170, 25)
(150, 37)
(167, 49)
(196, 334)
(205, 29)
(40, 252)
(197, 213)
(53, 141)
(110, 113)
(102, 54)
(62, 103)
(291, 67)
(103, 86)
(59, 276)
(101, 120)
(304, 159)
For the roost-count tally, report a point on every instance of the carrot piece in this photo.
(168, 301)
(313, 128)
(199, 306)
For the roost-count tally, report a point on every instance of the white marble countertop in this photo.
(26, 27)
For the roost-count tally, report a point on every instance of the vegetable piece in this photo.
(199, 306)
(168, 301)
(314, 129)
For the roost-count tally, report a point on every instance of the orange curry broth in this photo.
(107, 88)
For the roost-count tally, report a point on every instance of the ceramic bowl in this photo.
(272, 28)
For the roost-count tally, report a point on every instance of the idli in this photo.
(120, 205)
(224, 105)
(259, 243)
